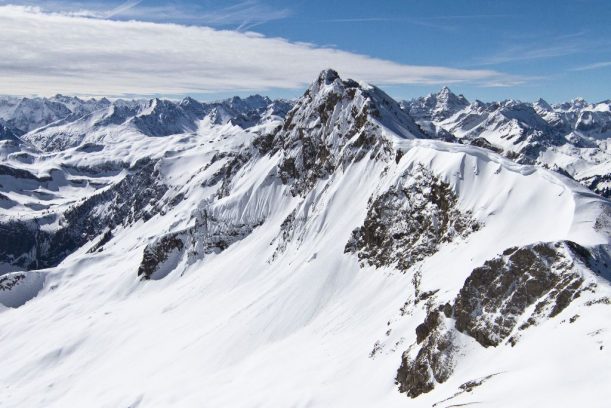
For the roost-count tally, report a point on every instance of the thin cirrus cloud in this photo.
(597, 65)
(126, 6)
(46, 53)
(242, 15)
(536, 49)
(442, 22)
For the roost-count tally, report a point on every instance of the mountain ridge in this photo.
(334, 253)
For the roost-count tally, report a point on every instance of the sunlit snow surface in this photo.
(245, 328)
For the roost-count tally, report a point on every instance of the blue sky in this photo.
(520, 49)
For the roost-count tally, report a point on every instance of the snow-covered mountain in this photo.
(571, 138)
(330, 251)
(61, 122)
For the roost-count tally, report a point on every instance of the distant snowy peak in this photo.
(163, 118)
(242, 112)
(576, 104)
(541, 106)
(155, 117)
(571, 138)
(26, 114)
(447, 101)
(436, 106)
(250, 103)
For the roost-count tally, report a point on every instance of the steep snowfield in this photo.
(255, 299)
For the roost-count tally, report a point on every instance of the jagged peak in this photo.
(579, 103)
(344, 103)
(542, 102)
(327, 76)
(251, 102)
(542, 105)
(188, 100)
(445, 91)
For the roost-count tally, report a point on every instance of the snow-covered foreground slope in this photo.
(336, 258)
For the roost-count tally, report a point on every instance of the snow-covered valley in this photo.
(342, 249)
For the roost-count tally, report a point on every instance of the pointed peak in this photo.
(445, 91)
(328, 76)
(542, 104)
(188, 99)
(579, 102)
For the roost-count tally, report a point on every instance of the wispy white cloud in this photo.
(526, 53)
(128, 5)
(472, 16)
(597, 65)
(240, 15)
(443, 23)
(530, 49)
(47, 53)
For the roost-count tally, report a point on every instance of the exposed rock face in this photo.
(17, 288)
(431, 360)
(214, 233)
(493, 299)
(600, 184)
(335, 122)
(9, 281)
(287, 233)
(483, 142)
(137, 196)
(157, 253)
(408, 222)
(210, 234)
(496, 295)
(226, 173)
(7, 133)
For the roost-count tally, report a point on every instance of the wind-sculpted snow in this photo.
(321, 252)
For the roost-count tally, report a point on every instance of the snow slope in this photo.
(246, 268)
